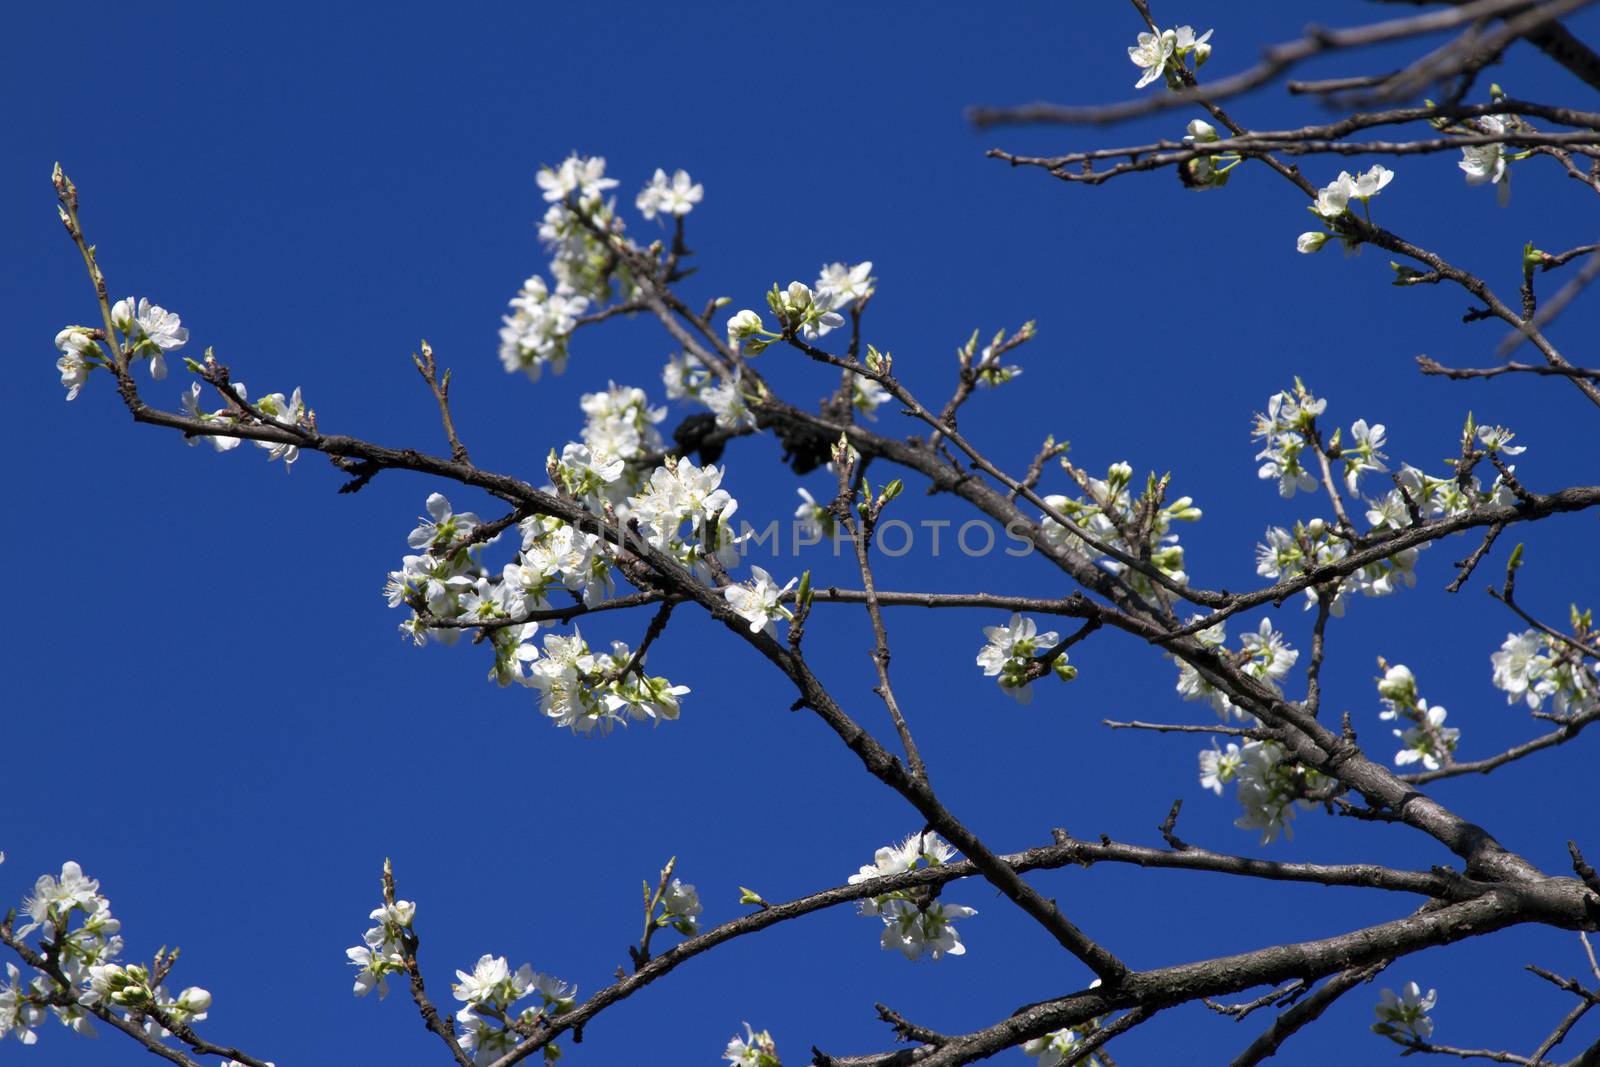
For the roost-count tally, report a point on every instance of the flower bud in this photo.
(1310, 241)
(194, 1000)
(122, 315)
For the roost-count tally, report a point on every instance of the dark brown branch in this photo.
(1302, 1014)
(1276, 60)
(1430, 366)
(440, 387)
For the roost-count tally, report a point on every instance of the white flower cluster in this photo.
(382, 950)
(1287, 431)
(1059, 1046)
(1269, 784)
(591, 692)
(686, 378)
(80, 354)
(755, 1049)
(675, 196)
(486, 1025)
(82, 939)
(1404, 1019)
(1533, 667)
(1164, 51)
(915, 921)
(810, 311)
(274, 407)
(148, 331)
(1110, 512)
(619, 431)
(1427, 740)
(1264, 655)
(1011, 651)
(448, 583)
(678, 495)
(1288, 427)
(1333, 203)
(534, 335)
(579, 230)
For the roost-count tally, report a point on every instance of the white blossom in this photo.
(1010, 653)
(1489, 163)
(576, 174)
(80, 353)
(1218, 766)
(916, 923)
(669, 196)
(1151, 53)
(755, 1049)
(842, 284)
(1404, 1018)
(149, 331)
(759, 601)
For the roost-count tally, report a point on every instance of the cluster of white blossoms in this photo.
(534, 335)
(583, 263)
(592, 692)
(1269, 784)
(1009, 656)
(1533, 667)
(1163, 53)
(1264, 655)
(687, 378)
(808, 310)
(682, 497)
(755, 1049)
(620, 425)
(675, 196)
(81, 937)
(1059, 1046)
(487, 1023)
(915, 921)
(448, 582)
(382, 949)
(579, 230)
(1427, 740)
(1289, 430)
(1136, 526)
(1403, 1019)
(1333, 203)
(274, 408)
(148, 331)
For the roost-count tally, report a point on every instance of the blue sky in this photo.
(209, 705)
